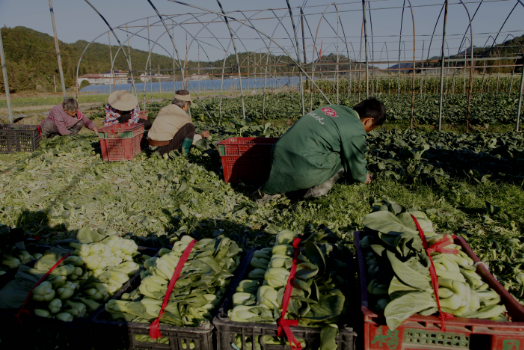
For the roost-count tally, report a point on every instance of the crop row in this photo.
(488, 109)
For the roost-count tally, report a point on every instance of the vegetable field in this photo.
(469, 185)
(485, 110)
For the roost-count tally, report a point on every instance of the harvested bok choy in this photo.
(198, 291)
(316, 299)
(397, 267)
(80, 284)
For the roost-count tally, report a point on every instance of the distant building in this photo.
(201, 76)
(118, 76)
(156, 77)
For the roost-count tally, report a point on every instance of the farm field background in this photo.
(468, 184)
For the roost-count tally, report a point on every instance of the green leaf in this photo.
(400, 309)
(85, 235)
(327, 337)
(329, 306)
(316, 256)
(408, 275)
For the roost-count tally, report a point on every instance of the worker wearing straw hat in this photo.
(122, 107)
(173, 128)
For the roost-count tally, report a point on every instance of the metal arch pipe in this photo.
(149, 57)
(224, 64)
(119, 43)
(435, 27)
(172, 40)
(6, 81)
(298, 54)
(366, 46)
(196, 93)
(513, 71)
(372, 43)
(400, 47)
(414, 66)
(250, 26)
(267, 59)
(484, 72)
(57, 48)
(502, 26)
(236, 55)
(469, 25)
(470, 90)
(313, 65)
(104, 33)
(442, 66)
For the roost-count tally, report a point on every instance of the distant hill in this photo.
(31, 59)
(507, 48)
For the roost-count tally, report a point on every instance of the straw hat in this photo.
(122, 100)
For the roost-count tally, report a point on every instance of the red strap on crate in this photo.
(26, 312)
(437, 247)
(283, 324)
(154, 328)
(39, 129)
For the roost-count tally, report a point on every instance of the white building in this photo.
(119, 77)
(201, 76)
(156, 77)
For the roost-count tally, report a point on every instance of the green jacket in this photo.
(316, 147)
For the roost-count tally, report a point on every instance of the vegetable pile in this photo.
(199, 289)
(85, 279)
(398, 268)
(13, 251)
(317, 299)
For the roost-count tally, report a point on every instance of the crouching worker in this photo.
(65, 119)
(321, 147)
(173, 128)
(122, 107)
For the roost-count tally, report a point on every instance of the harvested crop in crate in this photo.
(316, 300)
(199, 289)
(79, 284)
(398, 267)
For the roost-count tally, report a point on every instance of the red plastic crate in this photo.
(423, 332)
(120, 141)
(246, 159)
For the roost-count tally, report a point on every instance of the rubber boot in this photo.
(186, 145)
(324, 188)
(262, 198)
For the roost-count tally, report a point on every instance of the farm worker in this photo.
(122, 107)
(65, 119)
(173, 128)
(319, 148)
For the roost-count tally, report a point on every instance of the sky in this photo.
(208, 36)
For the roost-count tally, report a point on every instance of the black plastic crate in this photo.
(19, 138)
(226, 330)
(54, 333)
(177, 338)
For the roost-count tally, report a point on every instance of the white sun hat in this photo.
(122, 100)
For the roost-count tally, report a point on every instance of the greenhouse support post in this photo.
(520, 96)
(304, 45)
(6, 82)
(298, 56)
(59, 60)
(442, 59)
(366, 47)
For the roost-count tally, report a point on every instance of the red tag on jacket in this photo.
(329, 111)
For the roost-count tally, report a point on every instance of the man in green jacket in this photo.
(319, 148)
